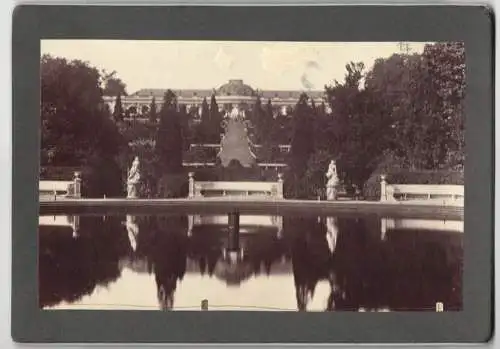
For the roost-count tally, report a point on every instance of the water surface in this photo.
(283, 263)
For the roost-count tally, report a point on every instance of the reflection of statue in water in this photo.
(333, 181)
(134, 177)
(332, 232)
(133, 230)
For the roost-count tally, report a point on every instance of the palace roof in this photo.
(234, 87)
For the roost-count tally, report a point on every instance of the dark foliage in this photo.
(169, 142)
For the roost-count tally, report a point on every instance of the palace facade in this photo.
(234, 94)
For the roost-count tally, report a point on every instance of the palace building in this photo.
(234, 94)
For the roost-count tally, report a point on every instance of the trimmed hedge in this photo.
(99, 177)
(233, 174)
(173, 186)
(60, 173)
(200, 155)
(371, 189)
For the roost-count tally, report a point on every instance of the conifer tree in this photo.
(152, 111)
(118, 111)
(169, 142)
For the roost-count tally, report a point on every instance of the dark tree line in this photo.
(210, 128)
(407, 112)
(77, 129)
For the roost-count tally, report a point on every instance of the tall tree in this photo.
(359, 126)
(281, 123)
(397, 81)
(215, 120)
(322, 127)
(169, 142)
(424, 95)
(77, 129)
(113, 86)
(258, 119)
(267, 121)
(72, 109)
(152, 111)
(184, 122)
(444, 65)
(118, 111)
(271, 136)
(302, 145)
(203, 128)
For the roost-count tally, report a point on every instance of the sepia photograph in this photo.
(251, 175)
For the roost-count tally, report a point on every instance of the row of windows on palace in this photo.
(141, 108)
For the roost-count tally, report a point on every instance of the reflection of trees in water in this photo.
(168, 255)
(71, 268)
(263, 250)
(408, 270)
(411, 270)
(311, 257)
(422, 268)
(359, 266)
(205, 248)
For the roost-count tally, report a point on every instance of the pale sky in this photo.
(209, 64)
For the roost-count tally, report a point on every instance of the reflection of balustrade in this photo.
(61, 221)
(245, 220)
(420, 224)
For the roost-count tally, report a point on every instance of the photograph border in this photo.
(472, 25)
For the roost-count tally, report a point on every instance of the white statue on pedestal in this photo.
(235, 113)
(134, 177)
(333, 181)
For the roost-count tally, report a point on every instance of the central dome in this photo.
(235, 87)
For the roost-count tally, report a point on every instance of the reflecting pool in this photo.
(178, 262)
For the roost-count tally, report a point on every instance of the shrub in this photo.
(270, 152)
(102, 177)
(132, 131)
(200, 154)
(202, 174)
(173, 186)
(302, 188)
(59, 173)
